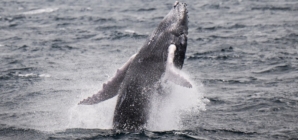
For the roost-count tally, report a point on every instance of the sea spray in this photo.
(169, 107)
(98, 116)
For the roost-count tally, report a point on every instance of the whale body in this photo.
(161, 56)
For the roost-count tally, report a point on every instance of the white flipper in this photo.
(110, 88)
(172, 74)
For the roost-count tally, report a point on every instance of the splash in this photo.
(93, 116)
(169, 107)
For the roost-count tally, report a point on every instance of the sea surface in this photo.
(242, 57)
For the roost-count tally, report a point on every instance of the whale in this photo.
(159, 60)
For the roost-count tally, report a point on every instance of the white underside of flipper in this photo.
(172, 73)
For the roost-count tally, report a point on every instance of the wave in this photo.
(10, 132)
(78, 133)
(275, 8)
(278, 68)
(40, 11)
(213, 28)
(223, 52)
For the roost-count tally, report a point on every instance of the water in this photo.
(242, 57)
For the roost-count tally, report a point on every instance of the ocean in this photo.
(242, 57)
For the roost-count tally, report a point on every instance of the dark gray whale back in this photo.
(138, 78)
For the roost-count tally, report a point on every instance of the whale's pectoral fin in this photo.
(110, 88)
(176, 78)
(172, 74)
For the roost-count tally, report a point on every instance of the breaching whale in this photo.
(161, 56)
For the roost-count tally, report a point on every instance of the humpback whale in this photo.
(161, 57)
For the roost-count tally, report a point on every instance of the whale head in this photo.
(177, 19)
(172, 30)
(175, 23)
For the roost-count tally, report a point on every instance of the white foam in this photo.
(39, 11)
(93, 116)
(168, 108)
(44, 75)
(130, 31)
(28, 75)
(34, 75)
